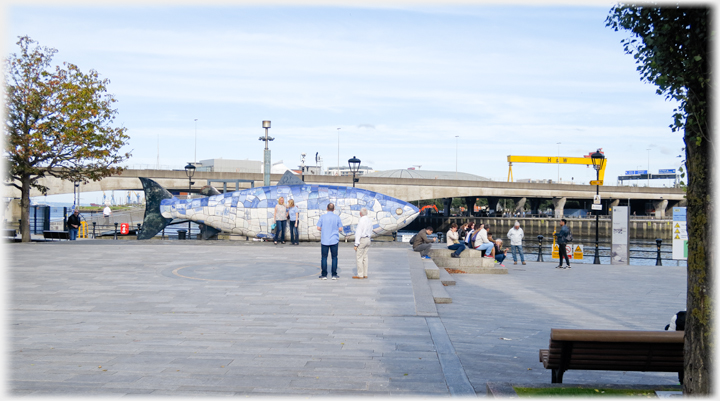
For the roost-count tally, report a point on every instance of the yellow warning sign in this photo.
(677, 237)
(578, 253)
(677, 225)
(555, 252)
(677, 231)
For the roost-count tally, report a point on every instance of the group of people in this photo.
(282, 215)
(478, 238)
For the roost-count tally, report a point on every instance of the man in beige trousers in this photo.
(363, 232)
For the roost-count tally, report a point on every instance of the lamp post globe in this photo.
(354, 165)
(598, 160)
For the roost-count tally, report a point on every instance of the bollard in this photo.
(658, 262)
(115, 235)
(137, 233)
(94, 223)
(394, 235)
(540, 257)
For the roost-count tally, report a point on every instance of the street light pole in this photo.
(266, 155)
(189, 171)
(598, 159)
(354, 165)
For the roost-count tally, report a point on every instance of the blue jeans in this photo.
(73, 233)
(280, 230)
(500, 257)
(458, 248)
(323, 260)
(519, 249)
(294, 235)
(487, 247)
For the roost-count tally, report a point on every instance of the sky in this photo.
(400, 82)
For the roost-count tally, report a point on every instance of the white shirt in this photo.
(107, 211)
(364, 229)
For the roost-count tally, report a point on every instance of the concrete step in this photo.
(446, 278)
(431, 269)
(440, 295)
(456, 263)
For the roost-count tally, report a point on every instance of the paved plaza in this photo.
(194, 318)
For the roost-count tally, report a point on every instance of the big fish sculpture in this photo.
(250, 212)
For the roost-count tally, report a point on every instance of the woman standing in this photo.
(293, 216)
(280, 216)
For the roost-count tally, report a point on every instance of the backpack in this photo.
(569, 237)
(472, 238)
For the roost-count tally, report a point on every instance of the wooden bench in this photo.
(53, 235)
(622, 350)
(10, 233)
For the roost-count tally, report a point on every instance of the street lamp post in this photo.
(354, 165)
(190, 172)
(266, 155)
(598, 160)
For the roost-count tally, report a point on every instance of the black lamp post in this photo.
(190, 172)
(354, 164)
(598, 160)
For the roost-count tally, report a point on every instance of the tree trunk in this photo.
(698, 326)
(25, 208)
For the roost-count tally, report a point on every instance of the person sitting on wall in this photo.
(462, 231)
(468, 233)
(422, 242)
(482, 243)
(453, 241)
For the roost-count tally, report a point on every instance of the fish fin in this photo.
(289, 179)
(209, 190)
(153, 222)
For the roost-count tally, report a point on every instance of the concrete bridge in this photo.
(401, 188)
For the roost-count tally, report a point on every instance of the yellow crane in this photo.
(585, 160)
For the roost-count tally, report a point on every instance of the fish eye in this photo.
(398, 211)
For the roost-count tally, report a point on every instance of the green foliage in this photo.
(670, 46)
(58, 121)
(581, 392)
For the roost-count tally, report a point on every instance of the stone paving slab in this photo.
(114, 318)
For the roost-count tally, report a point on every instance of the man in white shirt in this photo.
(106, 213)
(516, 235)
(482, 243)
(363, 232)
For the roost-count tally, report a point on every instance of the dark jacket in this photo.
(75, 220)
(562, 235)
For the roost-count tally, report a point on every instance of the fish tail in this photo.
(153, 222)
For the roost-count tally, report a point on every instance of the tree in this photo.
(671, 46)
(58, 123)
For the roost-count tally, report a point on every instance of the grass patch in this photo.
(581, 392)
